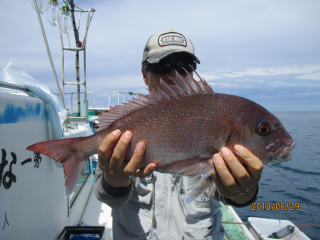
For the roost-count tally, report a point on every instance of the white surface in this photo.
(98, 108)
(98, 214)
(38, 209)
(264, 227)
(12, 73)
(5, 214)
(79, 131)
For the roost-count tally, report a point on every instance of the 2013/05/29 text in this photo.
(278, 206)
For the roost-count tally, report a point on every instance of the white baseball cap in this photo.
(162, 44)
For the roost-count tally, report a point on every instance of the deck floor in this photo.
(98, 214)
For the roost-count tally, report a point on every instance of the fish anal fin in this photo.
(198, 168)
(187, 167)
(201, 187)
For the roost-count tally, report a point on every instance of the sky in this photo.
(266, 51)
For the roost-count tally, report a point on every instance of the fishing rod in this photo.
(313, 223)
(257, 233)
(301, 195)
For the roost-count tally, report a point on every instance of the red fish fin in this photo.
(162, 93)
(202, 83)
(181, 87)
(187, 167)
(167, 88)
(201, 187)
(184, 84)
(155, 96)
(146, 99)
(177, 87)
(199, 167)
(61, 151)
(194, 84)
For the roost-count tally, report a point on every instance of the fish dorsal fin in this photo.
(184, 84)
(181, 87)
(171, 92)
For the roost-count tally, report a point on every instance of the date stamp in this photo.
(278, 206)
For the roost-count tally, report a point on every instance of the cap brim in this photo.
(159, 56)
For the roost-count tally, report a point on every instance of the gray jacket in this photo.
(132, 209)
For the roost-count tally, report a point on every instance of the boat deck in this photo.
(234, 231)
(99, 214)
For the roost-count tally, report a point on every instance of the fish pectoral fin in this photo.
(199, 185)
(198, 168)
(189, 166)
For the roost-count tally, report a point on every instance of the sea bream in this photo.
(183, 125)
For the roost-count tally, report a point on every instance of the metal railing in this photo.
(124, 96)
(13, 86)
(48, 51)
(109, 103)
(77, 49)
(94, 99)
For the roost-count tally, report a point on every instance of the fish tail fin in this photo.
(64, 151)
(199, 168)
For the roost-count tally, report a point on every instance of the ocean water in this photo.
(303, 169)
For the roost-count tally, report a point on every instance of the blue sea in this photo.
(303, 169)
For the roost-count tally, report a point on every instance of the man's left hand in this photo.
(233, 179)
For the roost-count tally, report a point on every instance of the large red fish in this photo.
(183, 125)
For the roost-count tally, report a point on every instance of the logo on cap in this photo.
(168, 39)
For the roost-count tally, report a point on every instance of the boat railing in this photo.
(94, 99)
(22, 88)
(123, 95)
(109, 100)
(13, 86)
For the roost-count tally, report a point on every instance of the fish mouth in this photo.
(282, 154)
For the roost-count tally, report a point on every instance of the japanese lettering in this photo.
(5, 221)
(37, 159)
(8, 177)
(3, 163)
(26, 161)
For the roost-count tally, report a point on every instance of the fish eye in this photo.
(263, 128)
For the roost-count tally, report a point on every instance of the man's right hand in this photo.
(116, 171)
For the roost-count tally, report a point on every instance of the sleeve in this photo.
(114, 197)
(217, 196)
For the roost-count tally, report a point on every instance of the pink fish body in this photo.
(183, 125)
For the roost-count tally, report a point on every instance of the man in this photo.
(151, 205)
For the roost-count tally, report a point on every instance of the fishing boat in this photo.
(32, 194)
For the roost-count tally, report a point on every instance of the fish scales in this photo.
(181, 128)
(181, 133)
(176, 129)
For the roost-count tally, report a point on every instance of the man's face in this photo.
(151, 78)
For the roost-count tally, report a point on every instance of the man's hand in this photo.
(233, 180)
(116, 171)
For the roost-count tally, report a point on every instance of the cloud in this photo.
(308, 70)
(313, 76)
(253, 49)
